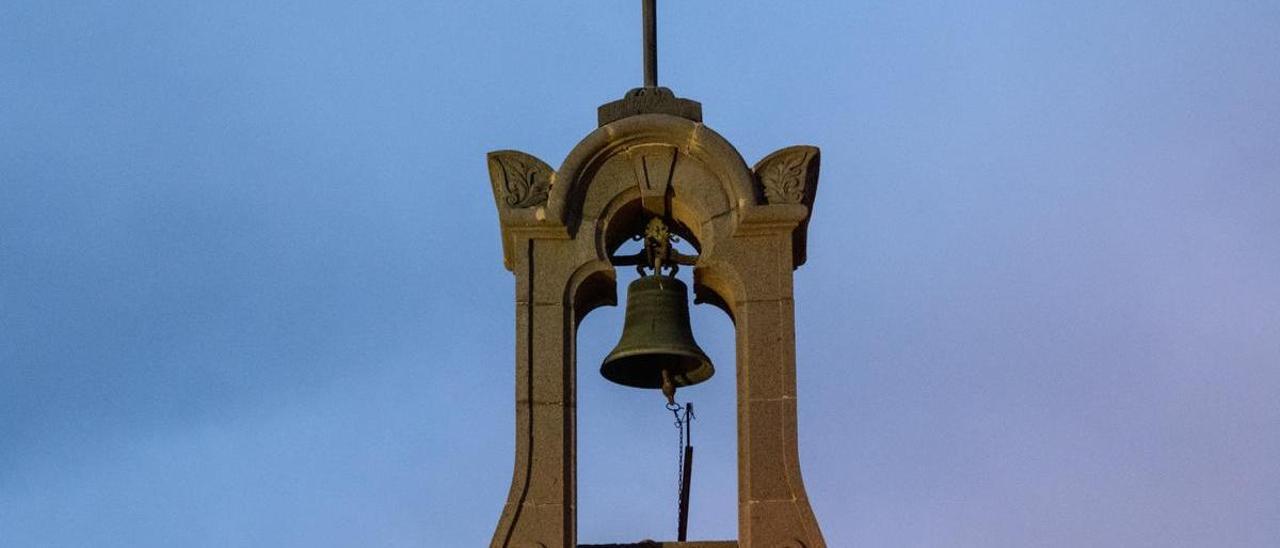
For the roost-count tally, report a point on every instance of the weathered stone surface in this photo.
(769, 324)
(614, 178)
(702, 196)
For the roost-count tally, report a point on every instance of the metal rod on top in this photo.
(650, 43)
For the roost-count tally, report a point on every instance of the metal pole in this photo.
(650, 43)
(684, 495)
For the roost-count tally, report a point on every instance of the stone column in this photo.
(773, 508)
(539, 512)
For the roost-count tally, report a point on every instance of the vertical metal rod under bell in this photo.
(682, 529)
(650, 43)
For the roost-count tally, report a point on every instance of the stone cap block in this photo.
(656, 100)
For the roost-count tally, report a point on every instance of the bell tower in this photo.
(652, 166)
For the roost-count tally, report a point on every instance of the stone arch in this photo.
(567, 196)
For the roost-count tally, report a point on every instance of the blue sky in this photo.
(251, 290)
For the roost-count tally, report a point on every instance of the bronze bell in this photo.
(656, 337)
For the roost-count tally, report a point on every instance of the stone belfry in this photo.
(652, 158)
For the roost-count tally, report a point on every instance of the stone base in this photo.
(655, 544)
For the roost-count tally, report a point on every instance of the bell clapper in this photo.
(668, 388)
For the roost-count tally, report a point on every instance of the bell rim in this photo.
(613, 364)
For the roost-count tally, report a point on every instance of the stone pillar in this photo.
(539, 512)
(768, 245)
(773, 509)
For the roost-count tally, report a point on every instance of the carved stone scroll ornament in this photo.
(788, 175)
(523, 179)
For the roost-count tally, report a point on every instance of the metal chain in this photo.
(676, 410)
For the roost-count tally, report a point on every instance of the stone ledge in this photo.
(653, 544)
